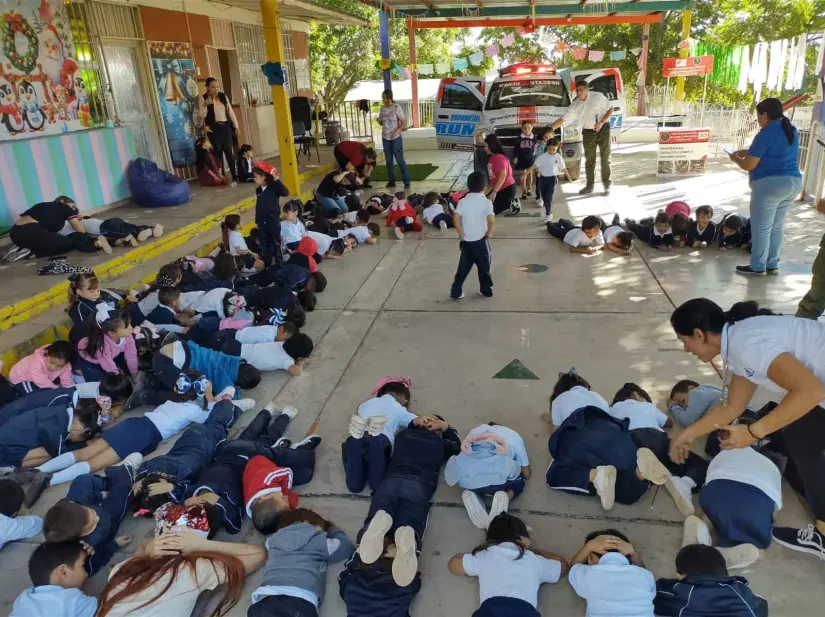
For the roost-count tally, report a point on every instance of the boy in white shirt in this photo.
(549, 166)
(474, 220)
(609, 574)
(291, 355)
(14, 524)
(367, 450)
(587, 239)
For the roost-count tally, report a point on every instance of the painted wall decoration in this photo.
(42, 88)
(174, 71)
(88, 165)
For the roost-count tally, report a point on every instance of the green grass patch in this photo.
(417, 171)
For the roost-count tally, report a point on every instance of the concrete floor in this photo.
(386, 312)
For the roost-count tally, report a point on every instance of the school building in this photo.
(88, 85)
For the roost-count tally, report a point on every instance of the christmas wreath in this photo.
(15, 23)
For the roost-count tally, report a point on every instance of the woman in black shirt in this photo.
(38, 229)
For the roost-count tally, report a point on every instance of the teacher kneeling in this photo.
(784, 355)
(775, 181)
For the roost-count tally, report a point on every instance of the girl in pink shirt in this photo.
(109, 347)
(47, 368)
(502, 188)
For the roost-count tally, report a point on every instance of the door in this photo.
(130, 93)
(609, 83)
(458, 112)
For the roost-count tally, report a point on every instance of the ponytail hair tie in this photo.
(102, 313)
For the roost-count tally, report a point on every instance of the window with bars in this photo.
(251, 49)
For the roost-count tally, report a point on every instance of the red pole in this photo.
(414, 75)
(641, 107)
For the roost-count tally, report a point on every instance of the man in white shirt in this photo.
(593, 111)
(474, 220)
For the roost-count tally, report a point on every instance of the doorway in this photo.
(130, 92)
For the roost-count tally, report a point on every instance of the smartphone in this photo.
(729, 151)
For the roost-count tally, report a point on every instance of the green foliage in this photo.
(526, 48)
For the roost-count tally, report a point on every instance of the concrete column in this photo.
(414, 77)
(280, 97)
(384, 37)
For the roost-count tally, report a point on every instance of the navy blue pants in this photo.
(547, 188)
(476, 254)
(560, 228)
(26, 387)
(741, 513)
(365, 461)
(695, 467)
(407, 500)
(282, 606)
(118, 229)
(269, 239)
(94, 372)
(517, 486)
(53, 397)
(501, 606)
(7, 391)
(572, 479)
(443, 217)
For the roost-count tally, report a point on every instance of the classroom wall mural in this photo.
(174, 72)
(42, 88)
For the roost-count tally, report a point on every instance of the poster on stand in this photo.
(687, 67)
(43, 91)
(682, 152)
(173, 70)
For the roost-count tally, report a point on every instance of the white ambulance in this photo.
(468, 108)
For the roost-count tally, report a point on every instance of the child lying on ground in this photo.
(659, 235)
(294, 579)
(221, 370)
(291, 355)
(617, 240)
(689, 400)
(332, 248)
(733, 231)
(609, 574)
(704, 588)
(47, 368)
(15, 523)
(437, 212)
(363, 232)
(702, 231)
(84, 296)
(492, 463)
(116, 231)
(587, 239)
(221, 484)
(166, 315)
(510, 569)
(402, 216)
(267, 492)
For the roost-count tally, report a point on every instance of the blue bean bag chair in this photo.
(153, 187)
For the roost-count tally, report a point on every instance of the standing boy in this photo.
(474, 220)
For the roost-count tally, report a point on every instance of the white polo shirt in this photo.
(501, 572)
(610, 233)
(236, 242)
(398, 417)
(550, 165)
(589, 111)
(747, 466)
(474, 209)
(751, 345)
(577, 237)
(324, 241)
(266, 356)
(614, 587)
(359, 232)
(514, 441)
(575, 398)
(640, 413)
(257, 334)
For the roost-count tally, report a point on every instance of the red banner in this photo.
(687, 67)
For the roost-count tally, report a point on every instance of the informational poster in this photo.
(42, 88)
(687, 67)
(682, 152)
(173, 70)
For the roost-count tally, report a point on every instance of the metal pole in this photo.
(414, 75)
(683, 53)
(704, 94)
(384, 35)
(641, 104)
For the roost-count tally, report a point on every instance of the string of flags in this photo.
(493, 50)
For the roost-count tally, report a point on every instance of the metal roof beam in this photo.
(545, 10)
(540, 21)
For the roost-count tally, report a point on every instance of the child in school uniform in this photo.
(85, 294)
(436, 211)
(109, 346)
(90, 517)
(245, 164)
(402, 216)
(690, 400)
(510, 570)
(617, 240)
(493, 463)
(474, 221)
(733, 231)
(330, 247)
(705, 589)
(291, 355)
(292, 229)
(269, 191)
(47, 368)
(610, 576)
(523, 159)
(659, 235)
(549, 166)
(166, 315)
(702, 231)
(15, 523)
(587, 239)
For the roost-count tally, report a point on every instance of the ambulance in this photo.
(469, 108)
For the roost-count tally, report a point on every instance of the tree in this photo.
(526, 48)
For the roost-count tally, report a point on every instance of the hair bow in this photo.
(277, 318)
(236, 303)
(572, 371)
(101, 312)
(185, 383)
(164, 280)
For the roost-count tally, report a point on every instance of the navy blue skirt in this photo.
(132, 435)
(502, 606)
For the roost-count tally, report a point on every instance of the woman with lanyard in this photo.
(219, 118)
(500, 173)
(775, 181)
(38, 231)
(784, 355)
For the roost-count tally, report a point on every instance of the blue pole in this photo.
(384, 34)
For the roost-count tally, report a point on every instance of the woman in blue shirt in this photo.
(775, 180)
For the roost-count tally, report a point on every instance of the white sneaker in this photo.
(145, 234)
(132, 463)
(405, 563)
(227, 394)
(605, 483)
(234, 184)
(244, 404)
(131, 241)
(475, 509)
(290, 411)
(696, 531)
(372, 542)
(681, 495)
(157, 230)
(548, 219)
(651, 467)
(399, 234)
(501, 502)
(443, 225)
(104, 245)
(738, 557)
(357, 426)
(375, 425)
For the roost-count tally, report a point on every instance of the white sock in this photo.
(67, 459)
(688, 482)
(67, 475)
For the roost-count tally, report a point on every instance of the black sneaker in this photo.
(772, 271)
(407, 187)
(143, 387)
(807, 540)
(308, 443)
(747, 271)
(586, 190)
(390, 185)
(283, 442)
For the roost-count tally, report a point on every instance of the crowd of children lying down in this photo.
(673, 227)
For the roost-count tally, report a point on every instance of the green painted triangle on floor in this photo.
(515, 370)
